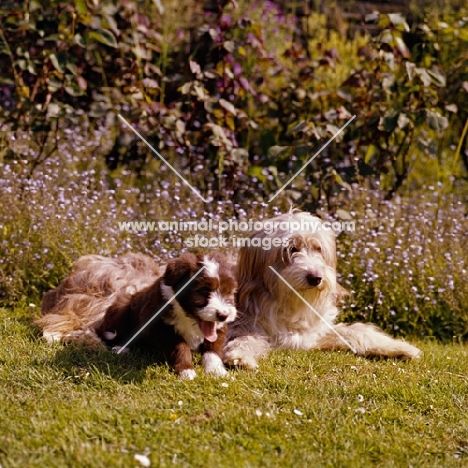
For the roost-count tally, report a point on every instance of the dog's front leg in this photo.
(212, 353)
(246, 350)
(181, 360)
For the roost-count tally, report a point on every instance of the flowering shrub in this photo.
(235, 101)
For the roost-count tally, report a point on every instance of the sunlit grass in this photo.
(66, 406)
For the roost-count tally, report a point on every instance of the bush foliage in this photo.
(234, 99)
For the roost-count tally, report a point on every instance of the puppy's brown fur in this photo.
(175, 333)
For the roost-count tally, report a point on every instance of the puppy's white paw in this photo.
(188, 374)
(213, 365)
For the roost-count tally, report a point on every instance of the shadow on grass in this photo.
(79, 361)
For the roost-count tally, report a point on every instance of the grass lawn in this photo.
(70, 407)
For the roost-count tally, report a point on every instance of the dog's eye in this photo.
(318, 248)
(293, 250)
(204, 291)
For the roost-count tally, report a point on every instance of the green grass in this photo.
(71, 407)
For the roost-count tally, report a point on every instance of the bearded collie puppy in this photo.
(287, 296)
(128, 302)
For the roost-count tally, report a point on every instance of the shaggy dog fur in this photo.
(271, 315)
(71, 311)
(111, 300)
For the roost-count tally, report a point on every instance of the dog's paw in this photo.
(235, 357)
(187, 374)
(213, 365)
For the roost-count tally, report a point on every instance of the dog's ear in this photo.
(180, 269)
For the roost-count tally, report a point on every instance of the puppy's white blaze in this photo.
(187, 327)
(213, 365)
(109, 335)
(211, 267)
(188, 374)
(216, 304)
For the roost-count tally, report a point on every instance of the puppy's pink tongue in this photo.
(209, 330)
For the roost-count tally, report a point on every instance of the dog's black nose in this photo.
(221, 316)
(313, 280)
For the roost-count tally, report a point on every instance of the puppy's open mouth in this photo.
(208, 329)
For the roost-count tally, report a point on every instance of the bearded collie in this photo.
(287, 297)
